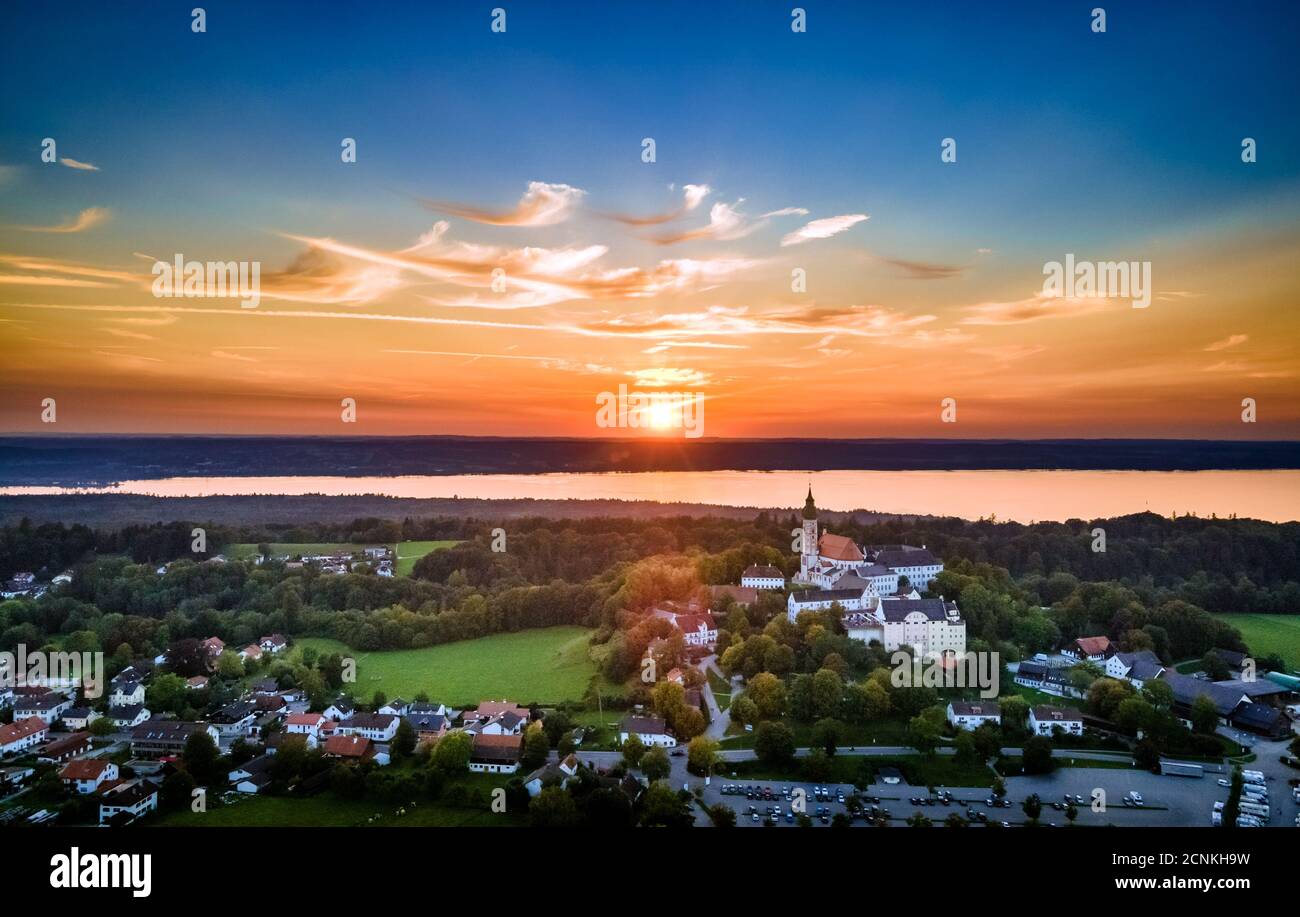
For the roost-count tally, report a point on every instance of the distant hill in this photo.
(69, 460)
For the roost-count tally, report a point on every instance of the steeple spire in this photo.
(809, 507)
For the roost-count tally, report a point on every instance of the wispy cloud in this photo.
(543, 204)
(1032, 309)
(692, 197)
(923, 270)
(1231, 340)
(87, 219)
(823, 228)
(77, 164)
(726, 223)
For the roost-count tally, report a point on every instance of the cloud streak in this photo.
(823, 228)
(543, 204)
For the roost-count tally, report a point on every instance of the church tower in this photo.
(808, 557)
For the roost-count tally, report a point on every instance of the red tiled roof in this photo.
(22, 729)
(348, 746)
(837, 547)
(1093, 646)
(84, 769)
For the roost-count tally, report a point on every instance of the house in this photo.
(741, 595)
(6, 696)
(1261, 719)
(273, 644)
(378, 727)
(270, 706)
(266, 686)
(395, 707)
(824, 557)
(341, 709)
(79, 718)
(22, 735)
(164, 738)
(197, 683)
(429, 727)
(1137, 668)
(1046, 721)
(251, 653)
(848, 599)
(932, 627)
(86, 775)
(971, 716)
(235, 719)
(128, 716)
(649, 729)
(424, 707)
(693, 620)
(495, 754)
(214, 647)
(252, 776)
(675, 676)
(48, 707)
(64, 748)
(1031, 673)
(1234, 660)
(552, 774)
(491, 709)
(305, 724)
(11, 777)
(762, 577)
(128, 801)
(917, 564)
(349, 748)
(1089, 649)
(127, 695)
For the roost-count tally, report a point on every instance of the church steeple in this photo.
(809, 507)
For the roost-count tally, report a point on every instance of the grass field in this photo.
(1269, 634)
(408, 552)
(546, 666)
(326, 811)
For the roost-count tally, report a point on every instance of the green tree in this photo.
(655, 764)
(1205, 716)
(553, 808)
(1032, 807)
(633, 750)
(403, 740)
(536, 749)
(768, 694)
(774, 743)
(702, 755)
(200, 757)
(1037, 755)
(451, 754)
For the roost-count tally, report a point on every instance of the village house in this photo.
(251, 653)
(1046, 721)
(340, 709)
(349, 748)
(128, 801)
(252, 776)
(87, 774)
(197, 683)
(79, 718)
(214, 647)
(235, 719)
(1089, 649)
(495, 754)
(378, 727)
(762, 577)
(649, 729)
(1136, 668)
(428, 727)
(128, 716)
(22, 735)
(167, 738)
(395, 707)
(741, 595)
(273, 644)
(48, 707)
(305, 724)
(971, 716)
(64, 748)
(552, 774)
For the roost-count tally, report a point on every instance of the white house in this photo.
(235, 719)
(824, 557)
(86, 774)
(971, 716)
(650, 730)
(495, 754)
(22, 735)
(377, 727)
(129, 716)
(1089, 649)
(1137, 668)
(932, 627)
(132, 799)
(1045, 720)
(47, 707)
(762, 577)
(396, 707)
(859, 599)
(340, 710)
(557, 774)
(305, 724)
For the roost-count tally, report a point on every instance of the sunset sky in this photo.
(774, 151)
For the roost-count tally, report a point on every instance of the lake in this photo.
(1023, 496)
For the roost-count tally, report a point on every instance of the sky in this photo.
(518, 157)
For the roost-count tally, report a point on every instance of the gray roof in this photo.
(898, 609)
(643, 725)
(1187, 689)
(976, 708)
(1142, 665)
(825, 595)
(894, 556)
